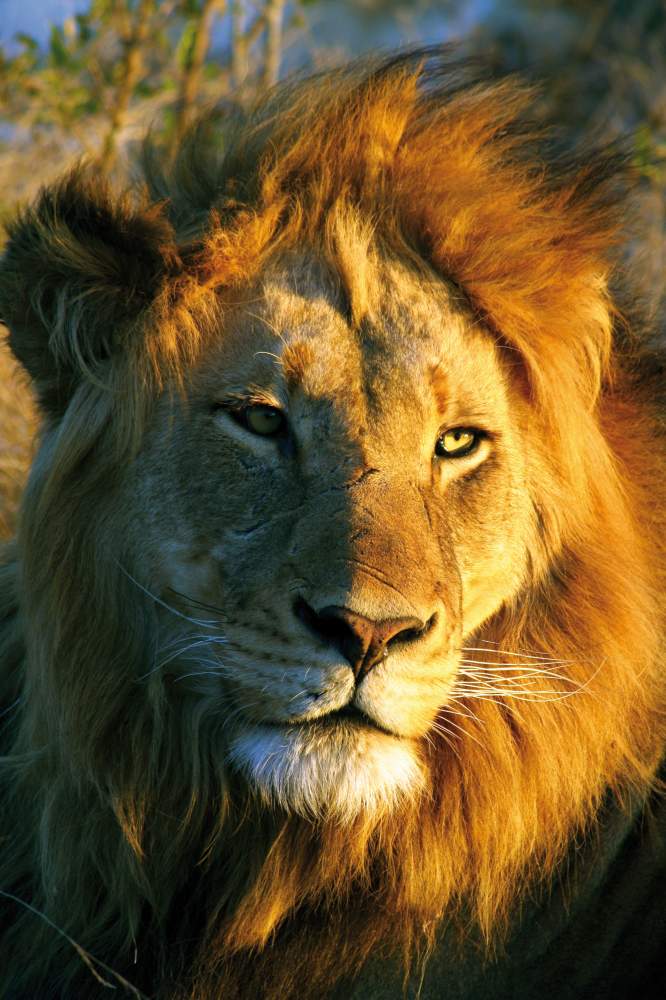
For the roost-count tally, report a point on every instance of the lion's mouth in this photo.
(350, 713)
(355, 714)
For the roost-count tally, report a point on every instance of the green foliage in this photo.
(28, 42)
(57, 87)
(191, 8)
(59, 55)
(186, 44)
(84, 28)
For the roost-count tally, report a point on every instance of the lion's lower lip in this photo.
(353, 713)
(347, 715)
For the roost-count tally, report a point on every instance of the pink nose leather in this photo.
(362, 641)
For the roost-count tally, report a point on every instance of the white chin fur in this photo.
(328, 771)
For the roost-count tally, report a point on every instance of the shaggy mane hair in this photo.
(118, 822)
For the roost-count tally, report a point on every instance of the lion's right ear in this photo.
(79, 271)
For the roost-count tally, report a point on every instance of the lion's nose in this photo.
(362, 641)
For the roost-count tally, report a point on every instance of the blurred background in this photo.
(88, 77)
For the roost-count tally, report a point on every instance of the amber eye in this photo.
(456, 442)
(265, 420)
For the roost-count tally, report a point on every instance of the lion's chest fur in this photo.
(599, 932)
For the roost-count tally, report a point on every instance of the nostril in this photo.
(414, 632)
(351, 634)
(322, 623)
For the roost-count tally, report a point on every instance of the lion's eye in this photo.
(264, 420)
(456, 442)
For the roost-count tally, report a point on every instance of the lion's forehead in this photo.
(416, 350)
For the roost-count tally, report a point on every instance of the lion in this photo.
(332, 633)
(17, 427)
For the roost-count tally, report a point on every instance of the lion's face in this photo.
(311, 517)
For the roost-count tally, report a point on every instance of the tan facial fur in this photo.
(351, 508)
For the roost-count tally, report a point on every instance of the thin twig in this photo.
(89, 960)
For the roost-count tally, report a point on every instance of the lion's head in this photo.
(335, 588)
(333, 510)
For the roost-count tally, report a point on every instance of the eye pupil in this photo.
(456, 442)
(264, 420)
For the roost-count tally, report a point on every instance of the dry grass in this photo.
(17, 425)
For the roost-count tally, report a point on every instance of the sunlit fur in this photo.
(17, 426)
(123, 820)
(313, 783)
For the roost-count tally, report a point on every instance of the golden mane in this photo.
(446, 173)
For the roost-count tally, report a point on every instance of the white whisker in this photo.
(449, 738)
(198, 642)
(461, 729)
(518, 695)
(513, 676)
(527, 656)
(158, 600)
(466, 714)
(213, 672)
(512, 668)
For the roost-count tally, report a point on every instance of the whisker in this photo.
(525, 695)
(536, 668)
(478, 686)
(525, 656)
(436, 725)
(491, 698)
(193, 636)
(196, 603)
(466, 714)
(517, 676)
(497, 646)
(240, 712)
(449, 738)
(213, 672)
(198, 642)
(158, 600)
(512, 684)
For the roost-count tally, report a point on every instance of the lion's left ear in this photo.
(78, 273)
